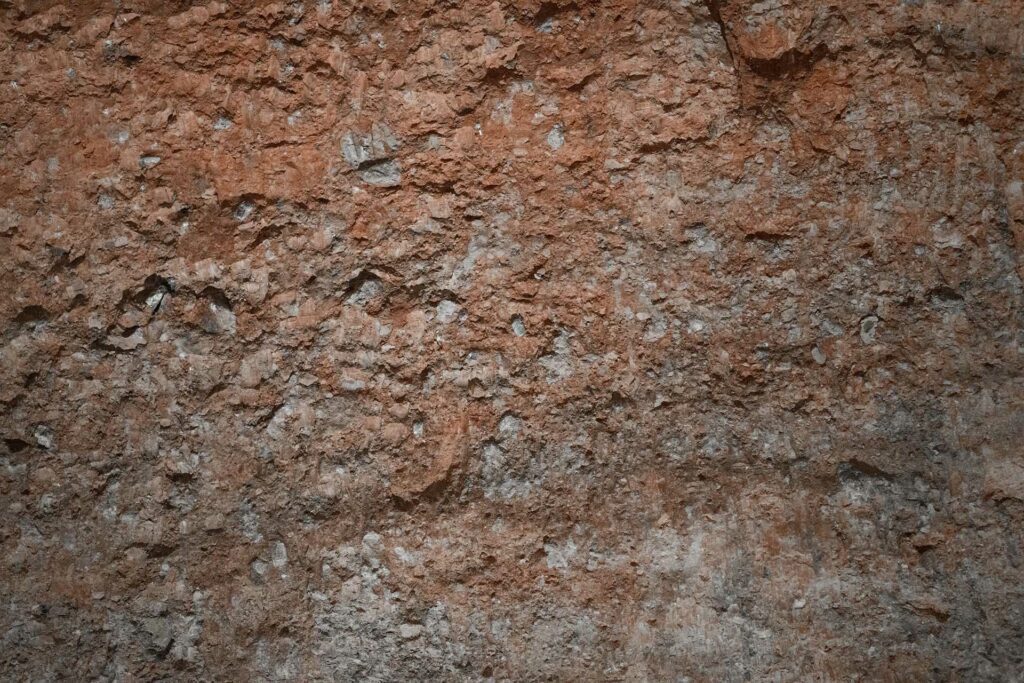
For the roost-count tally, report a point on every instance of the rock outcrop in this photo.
(411, 340)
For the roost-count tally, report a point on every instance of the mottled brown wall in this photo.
(425, 340)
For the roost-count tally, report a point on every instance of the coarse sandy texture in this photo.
(426, 340)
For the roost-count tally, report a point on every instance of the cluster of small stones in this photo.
(413, 340)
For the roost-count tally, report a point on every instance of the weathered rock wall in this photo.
(427, 340)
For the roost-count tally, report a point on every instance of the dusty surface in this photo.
(463, 341)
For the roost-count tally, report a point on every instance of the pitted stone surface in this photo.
(623, 340)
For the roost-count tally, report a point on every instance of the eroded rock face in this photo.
(625, 341)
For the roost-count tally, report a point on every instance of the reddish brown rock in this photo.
(605, 341)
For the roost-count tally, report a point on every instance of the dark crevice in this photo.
(715, 10)
(32, 316)
(550, 10)
(15, 445)
(790, 63)
(858, 469)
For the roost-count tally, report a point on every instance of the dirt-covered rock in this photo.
(411, 340)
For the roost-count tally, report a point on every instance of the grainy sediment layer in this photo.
(459, 341)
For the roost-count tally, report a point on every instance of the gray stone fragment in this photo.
(218, 319)
(559, 364)
(385, 173)
(655, 329)
(278, 555)
(379, 144)
(44, 437)
(244, 211)
(510, 425)
(868, 328)
(818, 356)
(447, 311)
(369, 290)
(556, 138)
(410, 631)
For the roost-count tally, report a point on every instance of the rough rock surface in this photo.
(431, 340)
